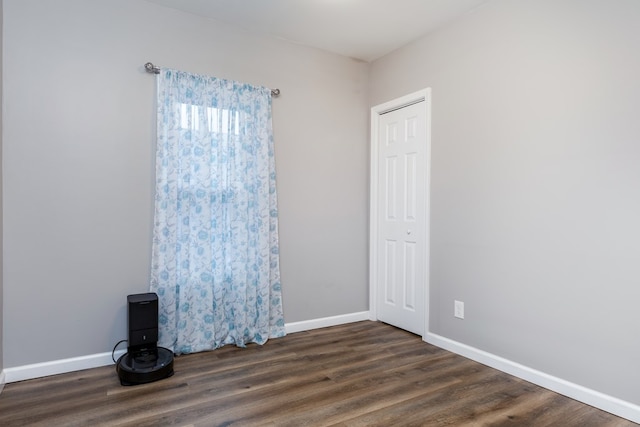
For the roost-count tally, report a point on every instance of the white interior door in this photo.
(400, 264)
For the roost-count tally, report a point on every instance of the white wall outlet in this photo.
(458, 309)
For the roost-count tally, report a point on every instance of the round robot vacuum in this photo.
(145, 367)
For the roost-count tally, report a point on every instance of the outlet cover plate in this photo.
(458, 309)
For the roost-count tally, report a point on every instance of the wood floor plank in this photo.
(359, 374)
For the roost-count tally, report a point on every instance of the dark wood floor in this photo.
(361, 374)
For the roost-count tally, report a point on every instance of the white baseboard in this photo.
(591, 397)
(325, 322)
(38, 370)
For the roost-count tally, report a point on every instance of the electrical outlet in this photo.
(458, 309)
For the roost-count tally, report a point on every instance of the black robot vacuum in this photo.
(144, 361)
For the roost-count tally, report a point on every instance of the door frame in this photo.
(376, 112)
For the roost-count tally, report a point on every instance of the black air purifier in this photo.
(144, 361)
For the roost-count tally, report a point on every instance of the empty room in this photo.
(348, 212)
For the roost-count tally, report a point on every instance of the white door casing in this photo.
(399, 241)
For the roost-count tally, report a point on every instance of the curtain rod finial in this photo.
(150, 68)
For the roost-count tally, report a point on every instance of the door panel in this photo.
(402, 217)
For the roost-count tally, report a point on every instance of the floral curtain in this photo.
(215, 262)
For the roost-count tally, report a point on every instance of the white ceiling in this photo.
(361, 29)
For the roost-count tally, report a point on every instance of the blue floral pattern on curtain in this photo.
(215, 261)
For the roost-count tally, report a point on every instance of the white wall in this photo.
(535, 192)
(1, 216)
(78, 153)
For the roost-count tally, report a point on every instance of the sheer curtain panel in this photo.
(215, 262)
